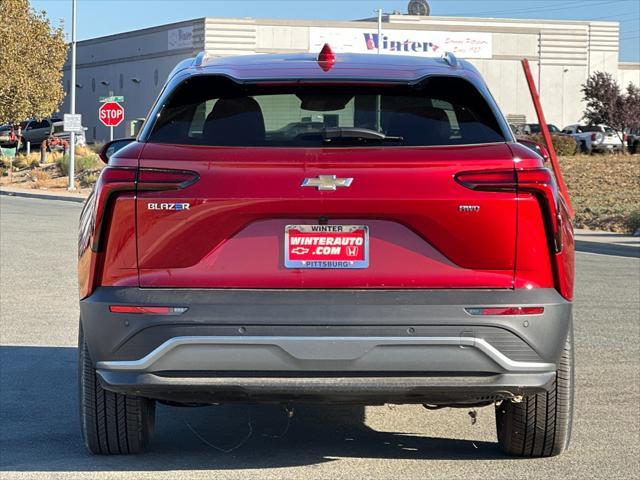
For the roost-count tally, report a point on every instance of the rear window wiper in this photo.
(332, 133)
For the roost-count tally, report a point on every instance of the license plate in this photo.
(326, 246)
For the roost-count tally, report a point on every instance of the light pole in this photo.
(72, 108)
(379, 28)
(378, 99)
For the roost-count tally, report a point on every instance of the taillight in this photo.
(593, 137)
(498, 180)
(160, 179)
(114, 180)
(505, 310)
(539, 182)
(542, 184)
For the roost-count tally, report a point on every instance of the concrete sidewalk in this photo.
(44, 194)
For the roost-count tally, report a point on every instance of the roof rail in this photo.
(450, 58)
(201, 58)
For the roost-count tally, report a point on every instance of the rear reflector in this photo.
(505, 310)
(147, 310)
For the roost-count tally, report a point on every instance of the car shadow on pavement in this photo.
(40, 429)
(601, 248)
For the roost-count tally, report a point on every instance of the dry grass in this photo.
(40, 178)
(604, 190)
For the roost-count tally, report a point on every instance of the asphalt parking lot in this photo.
(40, 437)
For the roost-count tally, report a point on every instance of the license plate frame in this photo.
(359, 261)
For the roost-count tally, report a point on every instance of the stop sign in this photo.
(111, 114)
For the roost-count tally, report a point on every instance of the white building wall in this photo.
(628, 72)
(561, 55)
(132, 64)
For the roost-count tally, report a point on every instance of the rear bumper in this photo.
(368, 346)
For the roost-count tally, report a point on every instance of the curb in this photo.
(42, 196)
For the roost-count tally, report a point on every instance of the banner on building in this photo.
(402, 42)
(180, 38)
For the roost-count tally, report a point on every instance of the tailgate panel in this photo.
(232, 233)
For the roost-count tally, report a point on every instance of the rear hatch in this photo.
(293, 186)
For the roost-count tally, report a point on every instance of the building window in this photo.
(121, 81)
(93, 84)
(155, 77)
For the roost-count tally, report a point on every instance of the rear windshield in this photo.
(214, 111)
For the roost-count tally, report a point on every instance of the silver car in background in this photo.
(596, 138)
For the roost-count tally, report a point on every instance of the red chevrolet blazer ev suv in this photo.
(349, 229)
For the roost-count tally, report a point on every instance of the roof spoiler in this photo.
(196, 61)
(200, 59)
(450, 59)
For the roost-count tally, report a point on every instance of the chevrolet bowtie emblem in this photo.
(326, 182)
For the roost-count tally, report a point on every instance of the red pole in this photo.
(547, 136)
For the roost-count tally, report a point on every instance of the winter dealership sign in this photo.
(402, 42)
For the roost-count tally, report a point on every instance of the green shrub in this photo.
(23, 160)
(564, 145)
(19, 162)
(84, 162)
(632, 222)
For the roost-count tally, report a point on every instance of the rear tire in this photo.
(540, 426)
(111, 423)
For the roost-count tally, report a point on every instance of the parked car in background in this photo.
(8, 138)
(633, 140)
(226, 257)
(595, 138)
(58, 132)
(517, 128)
(37, 131)
(534, 128)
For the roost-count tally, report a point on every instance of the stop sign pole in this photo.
(111, 114)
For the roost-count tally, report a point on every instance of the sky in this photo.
(105, 17)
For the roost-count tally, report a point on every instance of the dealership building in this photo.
(562, 55)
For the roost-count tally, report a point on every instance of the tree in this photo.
(606, 104)
(33, 54)
(631, 109)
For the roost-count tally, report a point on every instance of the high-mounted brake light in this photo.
(139, 310)
(326, 58)
(505, 310)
